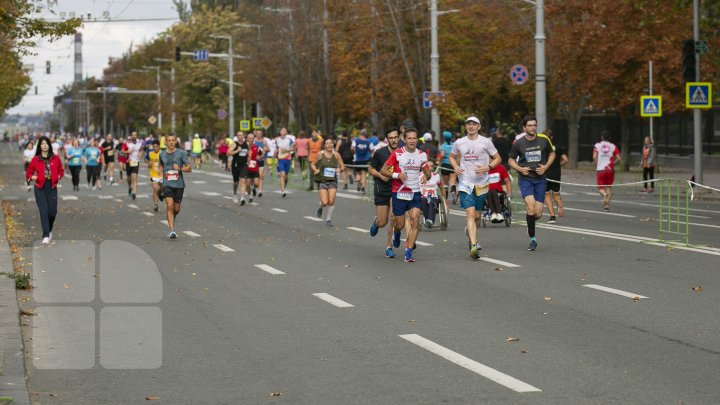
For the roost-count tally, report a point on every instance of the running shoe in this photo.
(250, 200)
(173, 235)
(283, 194)
(474, 252)
(374, 228)
(428, 224)
(242, 202)
(254, 192)
(396, 239)
(389, 253)
(408, 256)
(46, 241)
(259, 193)
(29, 187)
(155, 208)
(318, 212)
(345, 187)
(358, 187)
(134, 196)
(551, 220)
(606, 208)
(533, 245)
(328, 222)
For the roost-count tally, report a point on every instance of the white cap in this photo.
(473, 119)
(427, 136)
(197, 135)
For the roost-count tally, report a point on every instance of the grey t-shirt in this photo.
(531, 153)
(171, 177)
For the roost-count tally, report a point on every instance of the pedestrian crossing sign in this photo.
(257, 123)
(244, 125)
(698, 95)
(651, 106)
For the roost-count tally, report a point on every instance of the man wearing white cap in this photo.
(471, 159)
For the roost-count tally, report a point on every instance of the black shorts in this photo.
(261, 163)
(447, 169)
(383, 199)
(175, 193)
(253, 175)
(132, 170)
(109, 159)
(236, 171)
(223, 157)
(361, 163)
(552, 186)
(348, 160)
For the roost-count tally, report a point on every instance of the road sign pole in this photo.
(231, 116)
(697, 117)
(540, 85)
(650, 90)
(434, 66)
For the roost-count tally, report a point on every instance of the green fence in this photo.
(674, 207)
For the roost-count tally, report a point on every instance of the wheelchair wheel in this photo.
(442, 213)
(484, 222)
(508, 211)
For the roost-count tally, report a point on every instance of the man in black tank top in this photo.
(382, 188)
(238, 151)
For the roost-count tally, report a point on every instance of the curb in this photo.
(13, 383)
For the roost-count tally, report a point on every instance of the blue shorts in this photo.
(196, 155)
(533, 187)
(470, 200)
(400, 207)
(283, 166)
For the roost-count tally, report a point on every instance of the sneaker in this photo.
(134, 196)
(173, 235)
(250, 200)
(94, 188)
(29, 187)
(551, 220)
(533, 245)
(408, 256)
(362, 190)
(242, 201)
(235, 199)
(318, 212)
(389, 253)
(259, 193)
(643, 190)
(46, 241)
(374, 228)
(156, 208)
(396, 239)
(358, 187)
(652, 190)
(100, 186)
(474, 252)
(606, 208)
(328, 222)
(428, 224)
(254, 192)
(283, 194)
(345, 188)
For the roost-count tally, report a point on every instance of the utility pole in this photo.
(231, 96)
(650, 92)
(697, 113)
(172, 91)
(435, 63)
(540, 84)
(157, 71)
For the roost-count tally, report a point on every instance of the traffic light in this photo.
(688, 61)
(253, 110)
(47, 67)
(177, 54)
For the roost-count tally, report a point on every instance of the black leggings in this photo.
(493, 201)
(649, 174)
(75, 171)
(46, 200)
(92, 174)
(428, 208)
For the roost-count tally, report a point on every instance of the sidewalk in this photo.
(12, 366)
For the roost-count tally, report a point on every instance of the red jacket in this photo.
(37, 167)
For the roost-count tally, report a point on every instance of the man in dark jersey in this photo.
(383, 189)
(174, 163)
(531, 155)
(108, 149)
(238, 166)
(553, 174)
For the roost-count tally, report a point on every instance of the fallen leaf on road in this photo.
(636, 299)
(523, 351)
(276, 394)
(152, 398)
(66, 285)
(548, 298)
(498, 269)
(697, 289)
(512, 339)
(411, 321)
(648, 219)
(347, 265)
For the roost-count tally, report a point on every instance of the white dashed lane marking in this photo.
(472, 365)
(352, 228)
(133, 206)
(350, 196)
(199, 182)
(69, 197)
(614, 291)
(164, 222)
(269, 269)
(105, 197)
(500, 262)
(224, 248)
(314, 219)
(191, 233)
(279, 210)
(333, 300)
(211, 193)
(148, 214)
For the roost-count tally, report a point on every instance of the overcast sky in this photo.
(101, 40)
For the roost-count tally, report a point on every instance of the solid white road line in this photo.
(224, 248)
(105, 197)
(133, 206)
(118, 200)
(148, 214)
(600, 212)
(614, 291)
(221, 175)
(199, 182)
(225, 181)
(211, 193)
(500, 262)
(350, 196)
(332, 300)
(314, 219)
(417, 242)
(269, 269)
(279, 210)
(352, 228)
(69, 197)
(191, 233)
(472, 365)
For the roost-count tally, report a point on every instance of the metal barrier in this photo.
(674, 207)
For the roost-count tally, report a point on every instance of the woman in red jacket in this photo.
(46, 170)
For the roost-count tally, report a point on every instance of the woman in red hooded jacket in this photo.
(46, 170)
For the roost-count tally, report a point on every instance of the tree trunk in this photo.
(573, 115)
(625, 143)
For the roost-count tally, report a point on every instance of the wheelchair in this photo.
(505, 210)
(441, 213)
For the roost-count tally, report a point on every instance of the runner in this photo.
(344, 148)
(448, 173)
(383, 190)
(92, 156)
(121, 157)
(404, 166)
(197, 149)
(325, 167)
(74, 159)
(28, 155)
(263, 150)
(153, 162)
(471, 159)
(531, 155)
(315, 145)
(253, 168)
(303, 151)
(222, 154)
(285, 147)
(134, 148)
(361, 149)
(174, 162)
(605, 156)
(554, 172)
(46, 170)
(108, 148)
(271, 155)
(238, 165)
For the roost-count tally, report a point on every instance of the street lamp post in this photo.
(172, 92)
(231, 96)
(435, 62)
(540, 83)
(157, 71)
(259, 28)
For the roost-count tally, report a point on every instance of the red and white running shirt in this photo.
(606, 152)
(410, 163)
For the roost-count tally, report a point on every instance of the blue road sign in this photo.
(519, 74)
(698, 95)
(651, 106)
(200, 55)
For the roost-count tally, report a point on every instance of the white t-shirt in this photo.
(606, 152)
(284, 146)
(28, 154)
(133, 150)
(473, 154)
(429, 188)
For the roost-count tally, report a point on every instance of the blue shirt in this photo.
(447, 148)
(92, 155)
(75, 156)
(171, 177)
(362, 149)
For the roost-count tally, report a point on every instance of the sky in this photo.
(101, 40)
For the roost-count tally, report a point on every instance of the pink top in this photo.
(302, 146)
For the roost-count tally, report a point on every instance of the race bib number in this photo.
(481, 190)
(110, 152)
(243, 152)
(494, 178)
(252, 164)
(405, 195)
(172, 175)
(329, 172)
(430, 192)
(533, 156)
(75, 160)
(464, 187)
(133, 163)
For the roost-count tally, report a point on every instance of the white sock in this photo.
(329, 212)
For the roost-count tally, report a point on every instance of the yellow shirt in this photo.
(162, 142)
(197, 146)
(155, 169)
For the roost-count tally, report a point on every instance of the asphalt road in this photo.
(196, 320)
